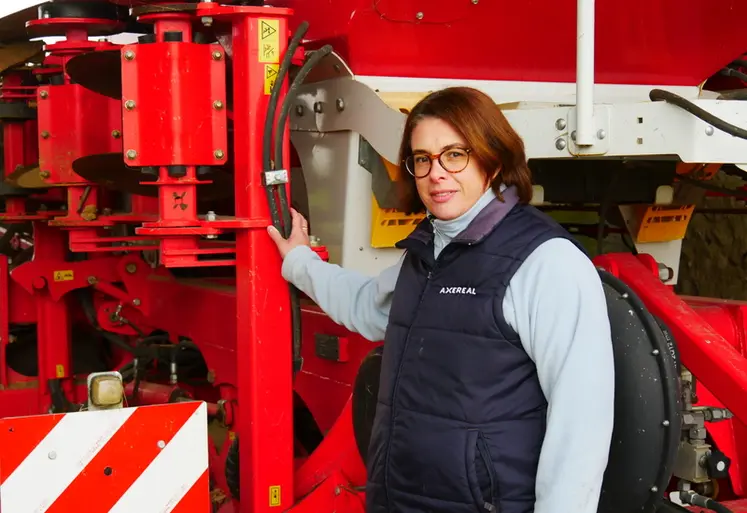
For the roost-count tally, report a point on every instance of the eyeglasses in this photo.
(453, 160)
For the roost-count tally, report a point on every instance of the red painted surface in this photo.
(637, 42)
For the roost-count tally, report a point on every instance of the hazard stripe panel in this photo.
(149, 459)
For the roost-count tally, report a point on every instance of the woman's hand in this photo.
(299, 235)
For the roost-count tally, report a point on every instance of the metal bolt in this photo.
(655, 352)
(92, 280)
(131, 268)
(45, 174)
(709, 131)
(573, 135)
(161, 444)
(217, 105)
(219, 154)
(560, 144)
(299, 110)
(654, 489)
(45, 134)
(601, 134)
(207, 21)
(340, 103)
(419, 15)
(130, 104)
(560, 124)
(129, 55)
(116, 134)
(210, 216)
(52, 455)
(665, 423)
(43, 94)
(318, 107)
(131, 154)
(136, 302)
(475, 2)
(217, 56)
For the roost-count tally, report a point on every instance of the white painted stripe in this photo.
(173, 472)
(59, 458)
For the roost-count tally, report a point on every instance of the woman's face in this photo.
(446, 195)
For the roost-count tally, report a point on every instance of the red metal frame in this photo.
(526, 41)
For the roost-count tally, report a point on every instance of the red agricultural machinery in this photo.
(137, 274)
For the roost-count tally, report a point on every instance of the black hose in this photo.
(295, 295)
(683, 103)
(695, 499)
(731, 72)
(270, 119)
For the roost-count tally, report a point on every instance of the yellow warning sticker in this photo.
(60, 370)
(271, 73)
(269, 41)
(274, 496)
(64, 276)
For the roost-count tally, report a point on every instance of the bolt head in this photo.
(219, 154)
(419, 15)
(131, 154)
(340, 103)
(560, 124)
(129, 55)
(45, 134)
(709, 131)
(43, 94)
(560, 144)
(116, 134)
(130, 104)
(217, 56)
(217, 105)
(299, 110)
(601, 134)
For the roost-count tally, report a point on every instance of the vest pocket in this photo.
(481, 476)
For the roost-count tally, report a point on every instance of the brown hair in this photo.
(495, 144)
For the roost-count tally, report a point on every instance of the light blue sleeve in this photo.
(556, 304)
(354, 300)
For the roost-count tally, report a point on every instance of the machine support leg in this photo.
(263, 346)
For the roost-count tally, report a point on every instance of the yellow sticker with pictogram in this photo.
(66, 275)
(60, 370)
(271, 74)
(274, 496)
(269, 40)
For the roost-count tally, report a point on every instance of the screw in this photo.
(129, 55)
(560, 124)
(43, 94)
(601, 134)
(52, 455)
(709, 131)
(655, 352)
(131, 154)
(130, 104)
(654, 489)
(475, 2)
(217, 105)
(217, 56)
(340, 103)
(665, 423)
(45, 134)
(161, 444)
(210, 216)
(560, 144)
(92, 280)
(219, 154)
(136, 302)
(116, 134)
(131, 268)
(419, 15)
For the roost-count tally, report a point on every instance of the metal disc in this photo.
(29, 177)
(16, 54)
(99, 72)
(110, 171)
(13, 26)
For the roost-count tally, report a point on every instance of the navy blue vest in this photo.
(460, 417)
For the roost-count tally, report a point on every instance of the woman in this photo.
(497, 383)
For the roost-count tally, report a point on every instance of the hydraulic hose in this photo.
(683, 103)
(695, 499)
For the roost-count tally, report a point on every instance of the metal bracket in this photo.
(602, 133)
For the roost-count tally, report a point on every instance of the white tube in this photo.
(585, 72)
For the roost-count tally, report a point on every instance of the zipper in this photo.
(482, 448)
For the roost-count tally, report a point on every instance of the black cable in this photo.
(731, 72)
(695, 499)
(306, 68)
(683, 103)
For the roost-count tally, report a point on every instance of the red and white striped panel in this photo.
(148, 459)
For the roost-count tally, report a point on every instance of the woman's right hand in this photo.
(299, 235)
